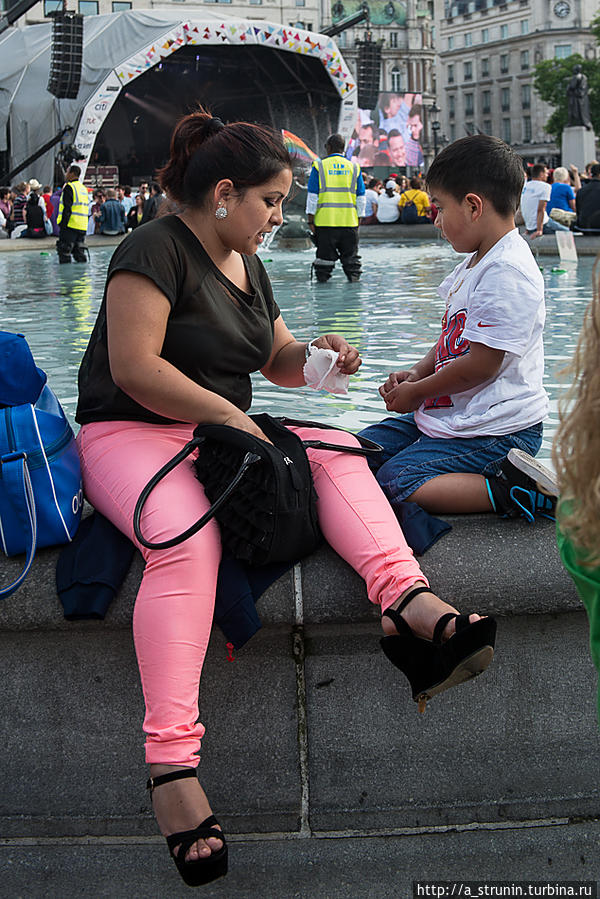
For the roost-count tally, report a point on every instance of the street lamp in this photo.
(434, 112)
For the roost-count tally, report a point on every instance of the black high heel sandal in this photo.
(432, 666)
(203, 869)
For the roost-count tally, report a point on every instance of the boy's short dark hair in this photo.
(479, 164)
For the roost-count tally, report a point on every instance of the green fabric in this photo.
(587, 582)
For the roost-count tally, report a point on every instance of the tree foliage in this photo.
(550, 82)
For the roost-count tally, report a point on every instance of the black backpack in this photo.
(410, 213)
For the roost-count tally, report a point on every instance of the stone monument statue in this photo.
(578, 138)
(578, 101)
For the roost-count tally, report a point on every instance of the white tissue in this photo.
(321, 372)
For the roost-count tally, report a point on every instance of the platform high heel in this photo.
(204, 869)
(432, 666)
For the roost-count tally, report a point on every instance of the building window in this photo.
(340, 39)
(88, 7)
(505, 99)
(486, 102)
(485, 68)
(451, 106)
(255, 2)
(469, 108)
(527, 128)
(396, 79)
(504, 32)
(452, 130)
(561, 51)
(524, 59)
(450, 74)
(468, 71)
(526, 96)
(487, 126)
(485, 35)
(504, 63)
(524, 26)
(468, 39)
(300, 3)
(506, 130)
(50, 6)
(394, 39)
(120, 5)
(451, 43)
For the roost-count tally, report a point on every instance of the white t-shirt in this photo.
(387, 208)
(371, 196)
(500, 303)
(533, 192)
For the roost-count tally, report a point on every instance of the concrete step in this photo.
(322, 866)
(311, 733)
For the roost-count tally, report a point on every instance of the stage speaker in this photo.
(369, 72)
(66, 56)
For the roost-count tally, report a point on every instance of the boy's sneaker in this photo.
(524, 487)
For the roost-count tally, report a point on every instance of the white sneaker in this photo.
(543, 476)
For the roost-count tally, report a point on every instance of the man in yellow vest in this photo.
(334, 204)
(72, 218)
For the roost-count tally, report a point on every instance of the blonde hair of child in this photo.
(576, 449)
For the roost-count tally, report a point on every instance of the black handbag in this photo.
(262, 494)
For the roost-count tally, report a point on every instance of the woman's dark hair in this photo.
(33, 199)
(204, 151)
(479, 164)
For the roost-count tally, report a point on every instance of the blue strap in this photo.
(17, 483)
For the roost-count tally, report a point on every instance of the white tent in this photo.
(117, 49)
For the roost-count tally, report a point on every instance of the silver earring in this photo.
(221, 211)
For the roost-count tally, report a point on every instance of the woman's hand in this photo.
(243, 422)
(349, 360)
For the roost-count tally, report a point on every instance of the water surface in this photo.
(392, 315)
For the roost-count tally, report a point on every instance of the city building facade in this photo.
(487, 51)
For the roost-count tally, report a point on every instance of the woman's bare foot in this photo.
(182, 805)
(422, 614)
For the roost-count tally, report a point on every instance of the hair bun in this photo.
(214, 126)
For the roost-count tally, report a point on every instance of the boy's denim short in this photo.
(410, 458)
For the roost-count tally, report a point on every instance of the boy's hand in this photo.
(406, 396)
(397, 377)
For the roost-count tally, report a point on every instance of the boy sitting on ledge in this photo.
(477, 395)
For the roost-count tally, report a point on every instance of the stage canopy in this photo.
(144, 69)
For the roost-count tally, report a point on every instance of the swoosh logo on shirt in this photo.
(481, 325)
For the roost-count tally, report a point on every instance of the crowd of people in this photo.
(399, 200)
(29, 210)
(561, 199)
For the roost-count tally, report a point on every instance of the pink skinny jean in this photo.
(174, 606)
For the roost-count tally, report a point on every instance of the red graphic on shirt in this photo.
(451, 345)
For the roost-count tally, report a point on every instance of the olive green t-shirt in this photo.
(216, 333)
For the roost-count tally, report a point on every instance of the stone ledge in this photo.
(484, 563)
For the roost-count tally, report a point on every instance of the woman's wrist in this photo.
(307, 347)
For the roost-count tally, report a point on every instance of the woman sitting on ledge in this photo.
(188, 313)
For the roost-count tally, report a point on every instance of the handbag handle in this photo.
(17, 482)
(365, 449)
(248, 460)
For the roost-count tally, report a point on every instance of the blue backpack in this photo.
(410, 213)
(40, 477)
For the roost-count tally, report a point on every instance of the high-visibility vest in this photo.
(79, 210)
(336, 205)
